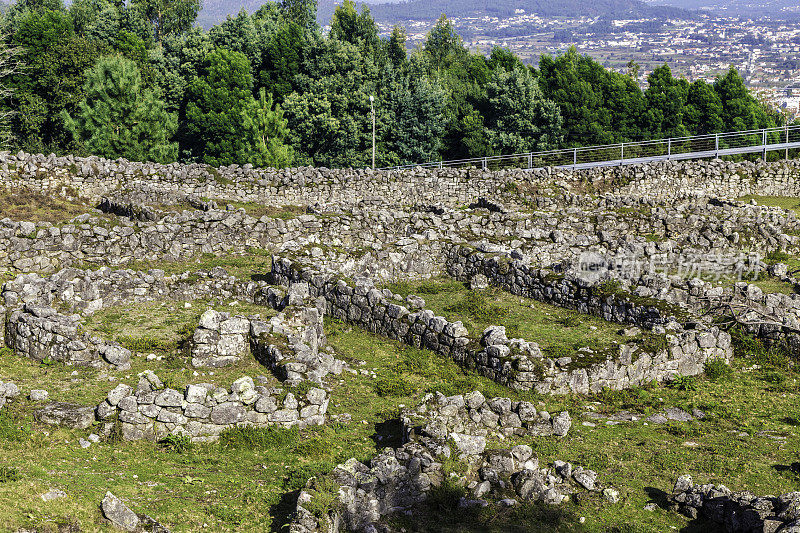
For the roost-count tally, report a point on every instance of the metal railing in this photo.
(694, 147)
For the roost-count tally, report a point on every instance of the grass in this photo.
(25, 204)
(161, 326)
(734, 445)
(249, 479)
(555, 329)
(790, 203)
(256, 264)
(259, 210)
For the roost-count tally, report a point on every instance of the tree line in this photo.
(137, 80)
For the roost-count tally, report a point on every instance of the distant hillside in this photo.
(432, 9)
(215, 11)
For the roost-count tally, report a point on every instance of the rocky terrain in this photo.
(421, 350)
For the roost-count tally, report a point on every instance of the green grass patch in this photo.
(556, 330)
(255, 263)
(790, 203)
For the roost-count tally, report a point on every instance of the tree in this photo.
(633, 70)
(239, 35)
(329, 111)
(217, 100)
(282, 60)
(119, 117)
(520, 119)
(740, 110)
(443, 45)
(396, 46)
(9, 65)
(168, 16)
(52, 81)
(410, 113)
(177, 62)
(359, 29)
(266, 129)
(577, 85)
(666, 100)
(703, 113)
(302, 12)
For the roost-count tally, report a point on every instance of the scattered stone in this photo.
(53, 494)
(38, 395)
(118, 513)
(479, 282)
(65, 414)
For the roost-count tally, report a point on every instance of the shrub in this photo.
(475, 306)
(8, 473)
(746, 345)
(559, 350)
(5, 350)
(171, 382)
(324, 498)
(685, 383)
(684, 429)
(717, 369)
(312, 447)
(13, 428)
(776, 256)
(610, 287)
(176, 443)
(228, 515)
(652, 343)
(571, 320)
(115, 435)
(258, 438)
(394, 386)
(146, 344)
(446, 496)
(299, 476)
(302, 388)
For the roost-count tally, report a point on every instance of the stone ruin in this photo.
(201, 412)
(518, 363)
(332, 239)
(737, 512)
(400, 480)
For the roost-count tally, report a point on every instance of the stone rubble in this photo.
(737, 512)
(400, 480)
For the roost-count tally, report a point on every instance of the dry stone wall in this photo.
(588, 298)
(516, 363)
(96, 177)
(85, 291)
(42, 334)
(201, 412)
(737, 512)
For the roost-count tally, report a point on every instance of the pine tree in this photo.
(266, 129)
(119, 117)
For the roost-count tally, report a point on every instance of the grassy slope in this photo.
(550, 326)
(246, 489)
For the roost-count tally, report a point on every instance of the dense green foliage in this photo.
(135, 80)
(118, 117)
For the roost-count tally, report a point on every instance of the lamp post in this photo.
(372, 108)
